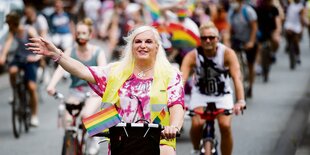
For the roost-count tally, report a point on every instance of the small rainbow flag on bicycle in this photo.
(160, 117)
(102, 120)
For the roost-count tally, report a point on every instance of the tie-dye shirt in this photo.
(136, 90)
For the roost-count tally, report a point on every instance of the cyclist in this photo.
(35, 19)
(90, 55)
(267, 11)
(144, 72)
(243, 21)
(23, 59)
(61, 26)
(294, 24)
(213, 62)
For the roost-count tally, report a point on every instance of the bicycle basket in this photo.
(135, 139)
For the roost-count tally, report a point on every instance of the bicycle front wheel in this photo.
(70, 144)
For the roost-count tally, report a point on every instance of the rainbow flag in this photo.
(102, 120)
(153, 7)
(183, 37)
(160, 117)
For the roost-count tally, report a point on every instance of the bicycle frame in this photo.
(209, 114)
(74, 138)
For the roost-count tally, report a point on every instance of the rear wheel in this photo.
(27, 112)
(292, 57)
(244, 70)
(266, 61)
(16, 114)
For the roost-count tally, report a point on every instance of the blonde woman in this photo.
(144, 75)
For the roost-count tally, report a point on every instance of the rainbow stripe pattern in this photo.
(183, 37)
(153, 7)
(101, 120)
(160, 117)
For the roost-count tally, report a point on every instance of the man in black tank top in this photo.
(213, 62)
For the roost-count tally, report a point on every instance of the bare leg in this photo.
(196, 131)
(32, 86)
(226, 134)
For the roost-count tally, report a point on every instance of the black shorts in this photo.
(237, 45)
(251, 54)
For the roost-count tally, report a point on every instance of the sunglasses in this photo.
(211, 38)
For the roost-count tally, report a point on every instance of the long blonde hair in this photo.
(161, 61)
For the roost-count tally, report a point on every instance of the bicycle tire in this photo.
(27, 111)
(244, 70)
(292, 56)
(70, 144)
(16, 114)
(266, 61)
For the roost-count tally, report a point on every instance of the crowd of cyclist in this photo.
(240, 23)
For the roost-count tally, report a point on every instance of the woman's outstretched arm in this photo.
(44, 47)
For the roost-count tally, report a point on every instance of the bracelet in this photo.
(56, 59)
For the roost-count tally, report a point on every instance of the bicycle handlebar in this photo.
(146, 125)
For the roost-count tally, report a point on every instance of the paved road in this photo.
(274, 122)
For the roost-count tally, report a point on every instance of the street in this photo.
(273, 123)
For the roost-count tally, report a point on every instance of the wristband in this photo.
(57, 58)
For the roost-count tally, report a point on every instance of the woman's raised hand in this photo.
(42, 46)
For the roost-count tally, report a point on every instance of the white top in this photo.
(293, 21)
(222, 100)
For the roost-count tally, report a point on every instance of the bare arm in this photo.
(176, 116)
(74, 67)
(58, 74)
(187, 64)
(252, 40)
(231, 61)
(6, 48)
(101, 60)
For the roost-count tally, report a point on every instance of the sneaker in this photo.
(93, 146)
(34, 121)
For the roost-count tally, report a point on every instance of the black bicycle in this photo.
(21, 112)
(74, 140)
(209, 141)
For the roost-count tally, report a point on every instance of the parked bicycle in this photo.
(209, 141)
(74, 141)
(21, 111)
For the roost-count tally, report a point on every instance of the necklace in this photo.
(142, 73)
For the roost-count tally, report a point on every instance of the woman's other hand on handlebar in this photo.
(170, 132)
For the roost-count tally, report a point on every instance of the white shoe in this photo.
(34, 121)
(93, 146)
